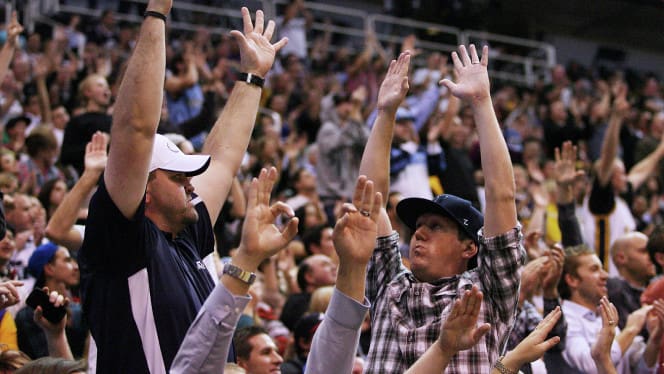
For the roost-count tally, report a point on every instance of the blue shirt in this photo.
(141, 287)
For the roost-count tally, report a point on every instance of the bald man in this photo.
(635, 269)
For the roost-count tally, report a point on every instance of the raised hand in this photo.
(408, 45)
(460, 331)
(395, 86)
(472, 77)
(554, 272)
(565, 171)
(621, 106)
(96, 155)
(161, 6)
(14, 29)
(261, 238)
(256, 51)
(355, 232)
(9, 294)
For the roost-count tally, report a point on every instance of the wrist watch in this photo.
(502, 368)
(245, 276)
(251, 79)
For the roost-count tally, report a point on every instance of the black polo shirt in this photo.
(141, 288)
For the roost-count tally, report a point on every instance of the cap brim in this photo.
(191, 165)
(410, 209)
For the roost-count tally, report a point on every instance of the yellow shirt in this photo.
(8, 333)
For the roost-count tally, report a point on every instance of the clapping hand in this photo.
(601, 350)
(534, 345)
(460, 331)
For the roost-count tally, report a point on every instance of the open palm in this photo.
(472, 76)
(256, 51)
(355, 232)
(460, 331)
(395, 85)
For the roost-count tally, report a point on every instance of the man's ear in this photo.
(619, 258)
(572, 281)
(659, 258)
(469, 250)
(242, 363)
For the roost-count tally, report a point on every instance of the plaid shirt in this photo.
(406, 314)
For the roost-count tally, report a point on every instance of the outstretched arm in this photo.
(205, 347)
(642, 170)
(458, 333)
(7, 53)
(472, 86)
(335, 342)
(566, 174)
(230, 135)
(612, 137)
(137, 113)
(60, 228)
(376, 158)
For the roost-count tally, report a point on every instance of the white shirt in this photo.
(583, 326)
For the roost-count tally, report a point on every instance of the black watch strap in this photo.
(251, 79)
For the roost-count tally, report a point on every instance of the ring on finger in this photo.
(365, 213)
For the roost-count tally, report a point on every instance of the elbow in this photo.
(501, 192)
(53, 234)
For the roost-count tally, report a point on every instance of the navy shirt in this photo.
(141, 287)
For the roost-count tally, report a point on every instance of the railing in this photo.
(530, 58)
(516, 60)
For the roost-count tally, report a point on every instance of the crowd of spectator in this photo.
(377, 217)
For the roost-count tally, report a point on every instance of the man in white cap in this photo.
(144, 274)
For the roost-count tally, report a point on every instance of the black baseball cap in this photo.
(469, 219)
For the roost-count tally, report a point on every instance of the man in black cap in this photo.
(450, 236)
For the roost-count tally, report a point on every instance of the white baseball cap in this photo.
(167, 156)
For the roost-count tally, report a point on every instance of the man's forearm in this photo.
(609, 149)
(376, 158)
(335, 342)
(626, 337)
(498, 173)
(65, 215)
(205, 347)
(58, 346)
(351, 279)
(6, 55)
